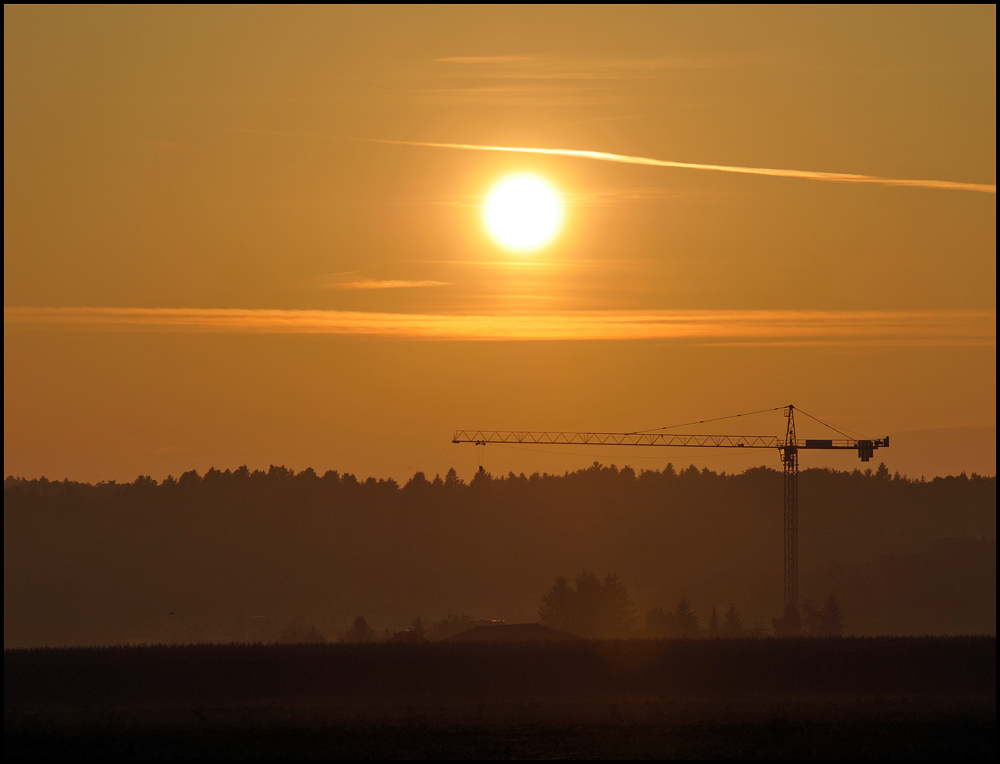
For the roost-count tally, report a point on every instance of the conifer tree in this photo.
(417, 629)
(359, 632)
(685, 621)
(558, 607)
(831, 620)
(731, 622)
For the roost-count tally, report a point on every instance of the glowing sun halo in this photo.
(523, 212)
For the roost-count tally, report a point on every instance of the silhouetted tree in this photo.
(588, 604)
(359, 632)
(831, 621)
(790, 624)
(417, 627)
(681, 623)
(810, 618)
(685, 621)
(713, 624)
(558, 606)
(616, 611)
(417, 483)
(731, 621)
(189, 479)
(592, 609)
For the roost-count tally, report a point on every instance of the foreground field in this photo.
(859, 698)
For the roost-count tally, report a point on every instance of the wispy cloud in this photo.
(486, 59)
(603, 156)
(383, 284)
(836, 177)
(782, 327)
(522, 93)
(540, 81)
(562, 67)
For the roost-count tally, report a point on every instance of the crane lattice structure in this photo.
(788, 448)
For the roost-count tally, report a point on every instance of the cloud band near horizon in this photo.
(835, 177)
(933, 327)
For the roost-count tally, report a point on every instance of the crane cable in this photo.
(717, 419)
(482, 448)
(841, 432)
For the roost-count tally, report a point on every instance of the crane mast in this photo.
(788, 448)
(790, 470)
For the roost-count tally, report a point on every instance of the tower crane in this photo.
(788, 448)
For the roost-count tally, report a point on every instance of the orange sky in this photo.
(222, 247)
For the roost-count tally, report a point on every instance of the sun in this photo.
(523, 212)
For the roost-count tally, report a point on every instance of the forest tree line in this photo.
(244, 553)
(595, 608)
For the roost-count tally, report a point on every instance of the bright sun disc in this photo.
(523, 212)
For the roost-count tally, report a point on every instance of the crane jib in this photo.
(865, 448)
(484, 437)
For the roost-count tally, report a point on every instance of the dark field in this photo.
(859, 698)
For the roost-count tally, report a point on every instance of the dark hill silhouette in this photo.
(242, 554)
(512, 632)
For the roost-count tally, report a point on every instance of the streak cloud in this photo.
(836, 177)
(930, 327)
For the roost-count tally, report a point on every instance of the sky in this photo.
(256, 235)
